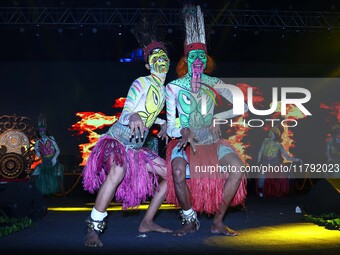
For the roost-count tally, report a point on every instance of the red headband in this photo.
(194, 46)
(153, 45)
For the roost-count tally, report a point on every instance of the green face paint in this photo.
(197, 61)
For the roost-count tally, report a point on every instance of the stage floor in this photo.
(266, 226)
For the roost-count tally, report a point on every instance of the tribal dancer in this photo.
(271, 153)
(48, 175)
(333, 145)
(118, 164)
(212, 194)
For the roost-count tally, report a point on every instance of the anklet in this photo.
(192, 217)
(100, 226)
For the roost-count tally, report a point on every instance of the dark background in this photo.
(78, 70)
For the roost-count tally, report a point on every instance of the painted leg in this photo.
(230, 189)
(148, 224)
(189, 217)
(103, 199)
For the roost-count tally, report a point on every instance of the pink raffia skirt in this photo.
(137, 185)
(206, 191)
(276, 187)
(275, 184)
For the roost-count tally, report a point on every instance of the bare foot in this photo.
(187, 228)
(222, 229)
(145, 227)
(92, 239)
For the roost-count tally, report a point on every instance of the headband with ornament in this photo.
(194, 29)
(151, 46)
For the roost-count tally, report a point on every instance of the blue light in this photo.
(137, 54)
(126, 60)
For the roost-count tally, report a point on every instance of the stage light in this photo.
(137, 54)
(126, 60)
(169, 30)
(94, 30)
(22, 29)
(112, 207)
(283, 239)
(60, 30)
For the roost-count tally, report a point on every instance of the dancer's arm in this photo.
(57, 150)
(170, 95)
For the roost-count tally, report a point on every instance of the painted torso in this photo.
(271, 149)
(335, 148)
(182, 100)
(147, 98)
(46, 147)
(189, 103)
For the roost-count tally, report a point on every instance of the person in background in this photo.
(333, 145)
(271, 153)
(48, 175)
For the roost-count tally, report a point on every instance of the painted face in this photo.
(159, 61)
(42, 131)
(271, 135)
(197, 61)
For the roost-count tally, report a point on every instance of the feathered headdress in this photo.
(146, 34)
(194, 29)
(42, 123)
